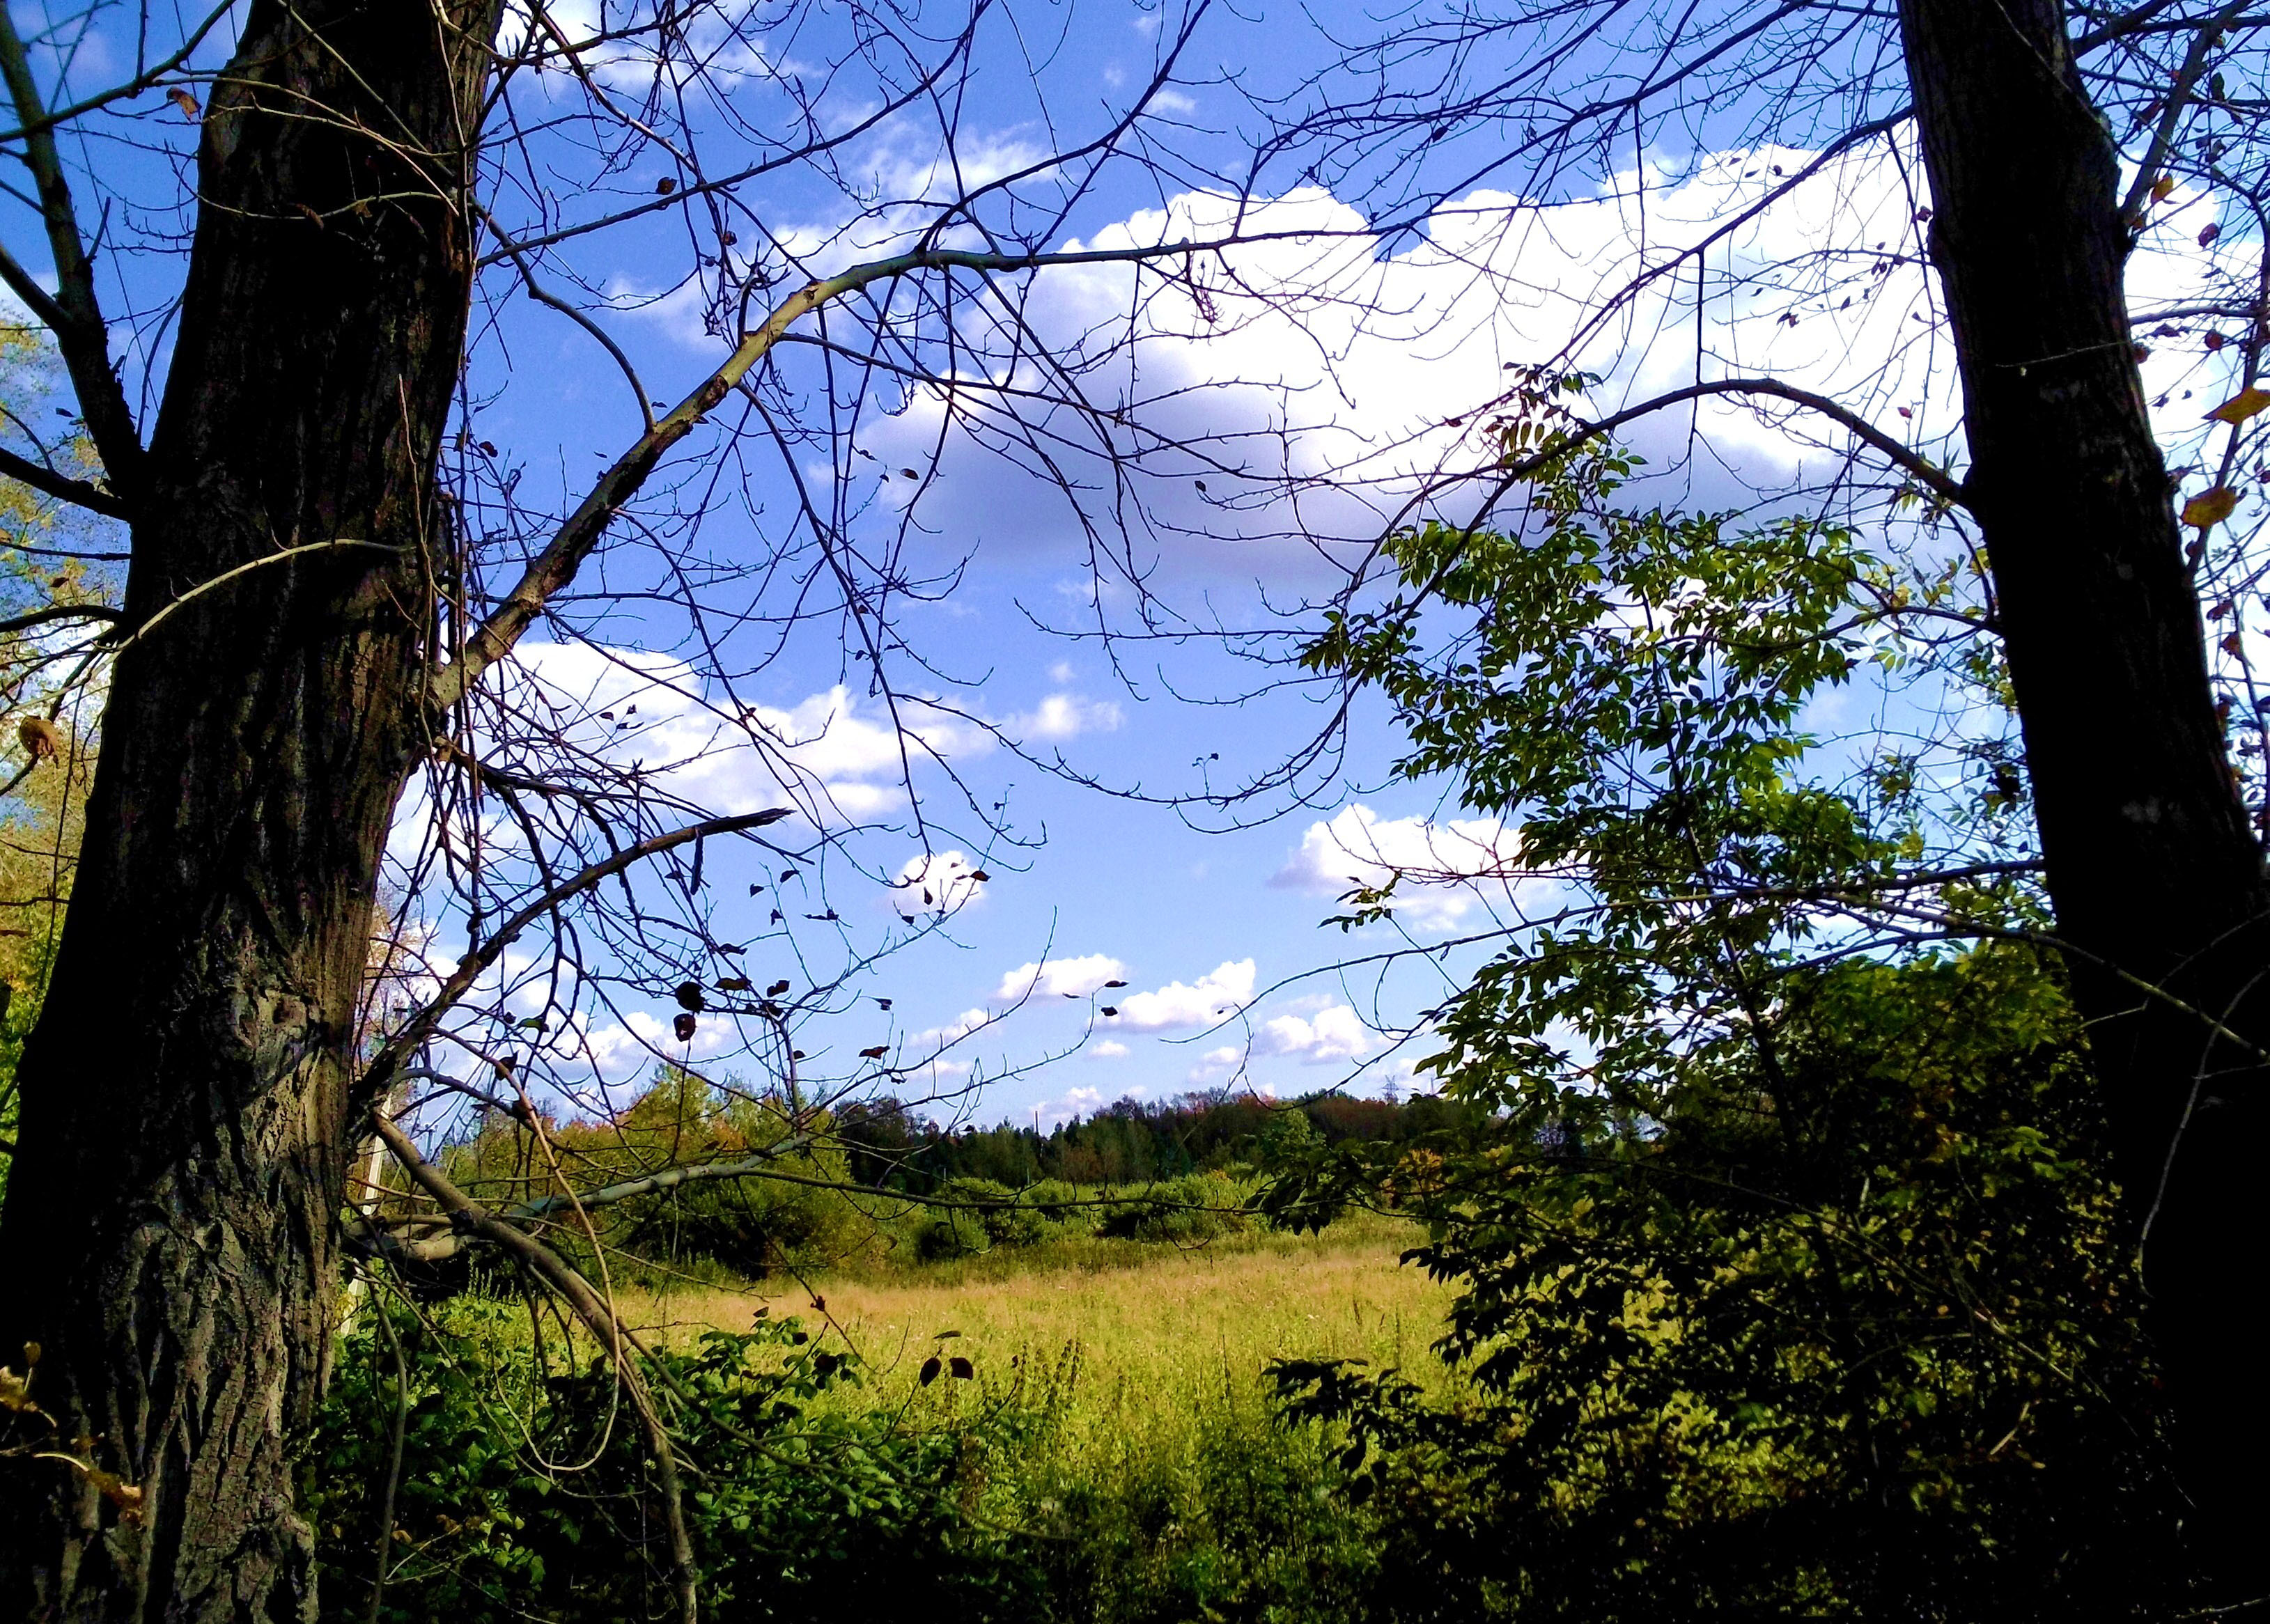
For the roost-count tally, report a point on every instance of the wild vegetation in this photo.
(1856, 1341)
(1787, 1268)
(1095, 1441)
(1837, 1124)
(879, 1184)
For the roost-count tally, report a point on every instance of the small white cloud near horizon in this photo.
(1218, 994)
(1442, 864)
(1069, 978)
(1108, 1051)
(1214, 1062)
(1072, 1103)
(934, 1038)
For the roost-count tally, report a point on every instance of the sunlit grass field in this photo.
(1099, 1440)
(1143, 1357)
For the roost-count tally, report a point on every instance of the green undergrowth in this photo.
(1028, 1487)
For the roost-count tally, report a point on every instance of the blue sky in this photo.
(1306, 379)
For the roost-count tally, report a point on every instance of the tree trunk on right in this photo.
(2157, 882)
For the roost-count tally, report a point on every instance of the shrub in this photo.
(1007, 1219)
(948, 1233)
(1185, 1210)
(523, 1492)
(1855, 1338)
(1064, 1205)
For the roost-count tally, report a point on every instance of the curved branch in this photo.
(377, 1237)
(537, 291)
(469, 1216)
(1922, 472)
(228, 576)
(58, 612)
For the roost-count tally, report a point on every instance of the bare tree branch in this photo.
(47, 482)
(149, 77)
(384, 1065)
(555, 566)
(58, 612)
(377, 1237)
(1937, 480)
(74, 314)
(2171, 113)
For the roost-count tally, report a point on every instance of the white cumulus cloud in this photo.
(1070, 978)
(953, 1032)
(1061, 716)
(1443, 866)
(1072, 1102)
(831, 754)
(1212, 1064)
(1372, 362)
(1218, 994)
(1335, 1034)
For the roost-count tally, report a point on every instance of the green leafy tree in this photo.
(1791, 1278)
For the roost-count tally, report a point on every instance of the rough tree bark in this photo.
(2155, 879)
(172, 1217)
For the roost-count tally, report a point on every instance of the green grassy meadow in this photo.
(1140, 1322)
(1097, 1439)
(1118, 1416)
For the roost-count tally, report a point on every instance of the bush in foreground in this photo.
(523, 1492)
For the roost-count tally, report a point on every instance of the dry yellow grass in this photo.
(1133, 1354)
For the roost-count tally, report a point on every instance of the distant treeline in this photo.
(1181, 1170)
(891, 1146)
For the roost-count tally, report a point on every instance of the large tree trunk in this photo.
(2158, 885)
(169, 1237)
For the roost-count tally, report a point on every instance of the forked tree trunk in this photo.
(169, 1236)
(2157, 883)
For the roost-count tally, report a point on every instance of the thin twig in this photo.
(393, 1464)
(228, 576)
(540, 1260)
(382, 1067)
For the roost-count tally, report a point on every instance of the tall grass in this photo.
(1076, 1430)
(1117, 1418)
(1141, 1321)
